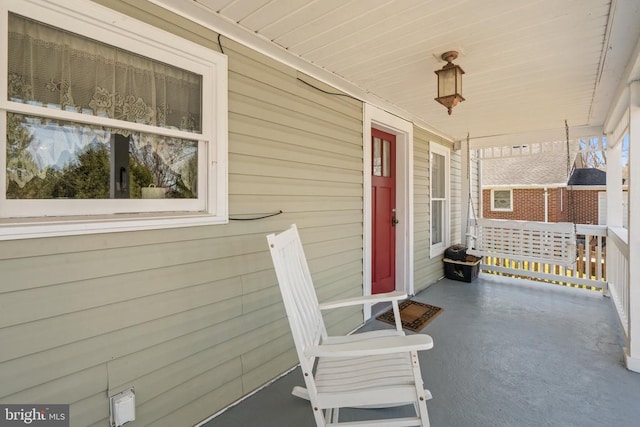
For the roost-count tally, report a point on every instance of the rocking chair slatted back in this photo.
(298, 293)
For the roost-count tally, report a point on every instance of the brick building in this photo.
(528, 204)
(584, 188)
(540, 188)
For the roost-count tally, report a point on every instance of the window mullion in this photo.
(71, 116)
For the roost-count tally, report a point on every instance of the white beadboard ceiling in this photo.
(530, 64)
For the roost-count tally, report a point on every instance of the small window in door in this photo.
(377, 157)
(381, 165)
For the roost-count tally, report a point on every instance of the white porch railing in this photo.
(588, 271)
(618, 276)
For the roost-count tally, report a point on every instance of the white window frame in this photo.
(439, 248)
(497, 209)
(108, 26)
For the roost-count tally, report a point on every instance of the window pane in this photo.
(502, 199)
(437, 176)
(437, 211)
(51, 159)
(57, 69)
(377, 157)
(386, 158)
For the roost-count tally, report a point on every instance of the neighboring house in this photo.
(531, 188)
(538, 188)
(112, 292)
(584, 190)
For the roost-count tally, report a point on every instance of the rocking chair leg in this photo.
(422, 412)
(423, 395)
(319, 415)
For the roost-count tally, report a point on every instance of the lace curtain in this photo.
(57, 69)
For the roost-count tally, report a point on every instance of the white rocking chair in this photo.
(378, 369)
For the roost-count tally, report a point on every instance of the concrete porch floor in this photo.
(506, 353)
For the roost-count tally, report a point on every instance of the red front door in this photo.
(383, 196)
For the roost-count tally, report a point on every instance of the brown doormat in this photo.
(413, 315)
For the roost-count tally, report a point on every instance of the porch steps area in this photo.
(506, 353)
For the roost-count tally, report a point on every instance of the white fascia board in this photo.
(204, 17)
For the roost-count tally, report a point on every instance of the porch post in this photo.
(465, 190)
(633, 356)
(614, 182)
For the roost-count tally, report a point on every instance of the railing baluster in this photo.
(581, 260)
(597, 256)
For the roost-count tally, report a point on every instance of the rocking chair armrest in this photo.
(366, 299)
(372, 347)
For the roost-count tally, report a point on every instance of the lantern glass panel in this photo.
(446, 82)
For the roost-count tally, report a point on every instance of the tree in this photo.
(593, 153)
(85, 178)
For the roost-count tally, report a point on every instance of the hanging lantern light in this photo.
(449, 82)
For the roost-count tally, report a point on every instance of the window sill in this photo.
(30, 228)
(436, 252)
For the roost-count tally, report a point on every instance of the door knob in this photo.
(394, 221)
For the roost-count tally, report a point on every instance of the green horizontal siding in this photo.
(192, 318)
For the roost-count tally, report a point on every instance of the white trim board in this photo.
(403, 130)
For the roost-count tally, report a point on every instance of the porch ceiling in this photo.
(530, 65)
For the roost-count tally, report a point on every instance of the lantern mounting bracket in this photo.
(449, 56)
